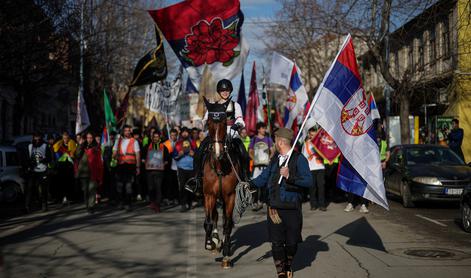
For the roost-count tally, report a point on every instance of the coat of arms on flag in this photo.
(205, 33)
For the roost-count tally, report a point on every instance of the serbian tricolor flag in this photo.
(296, 101)
(342, 108)
(205, 33)
(325, 146)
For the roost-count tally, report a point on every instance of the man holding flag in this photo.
(342, 109)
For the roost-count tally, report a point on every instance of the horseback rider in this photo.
(235, 122)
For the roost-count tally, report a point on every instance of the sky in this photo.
(254, 12)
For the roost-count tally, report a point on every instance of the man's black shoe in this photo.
(322, 209)
(313, 208)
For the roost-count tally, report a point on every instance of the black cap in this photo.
(224, 85)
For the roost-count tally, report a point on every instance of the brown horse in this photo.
(219, 181)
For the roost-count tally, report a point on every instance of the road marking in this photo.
(431, 220)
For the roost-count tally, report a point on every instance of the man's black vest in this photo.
(275, 200)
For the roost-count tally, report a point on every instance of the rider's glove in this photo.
(236, 127)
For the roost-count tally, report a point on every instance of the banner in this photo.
(325, 146)
(205, 34)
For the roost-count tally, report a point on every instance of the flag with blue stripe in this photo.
(297, 98)
(343, 109)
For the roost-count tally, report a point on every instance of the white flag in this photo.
(281, 68)
(82, 121)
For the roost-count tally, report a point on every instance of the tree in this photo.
(370, 22)
(40, 48)
(32, 56)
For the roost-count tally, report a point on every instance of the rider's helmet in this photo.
(224, 85)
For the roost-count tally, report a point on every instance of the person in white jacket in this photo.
(235, 122)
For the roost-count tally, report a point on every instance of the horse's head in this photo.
(217, 125)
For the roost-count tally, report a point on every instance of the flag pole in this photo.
(314, 100)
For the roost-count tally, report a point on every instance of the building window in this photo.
(446, 38)
(420, 52)
(411, 56)
(433, 47)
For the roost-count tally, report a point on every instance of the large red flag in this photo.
(205, 34)
(250, 118)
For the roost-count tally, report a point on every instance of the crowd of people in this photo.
(132, 166)
(152, 166)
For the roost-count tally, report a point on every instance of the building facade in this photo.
(432, 53)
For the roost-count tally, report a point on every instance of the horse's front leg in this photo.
(209, 224)
(227, 230)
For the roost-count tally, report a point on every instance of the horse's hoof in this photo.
(226, 264)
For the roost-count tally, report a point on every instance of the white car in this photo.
(11, 183)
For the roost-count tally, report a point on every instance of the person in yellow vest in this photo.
(245, 138)
(126, 151)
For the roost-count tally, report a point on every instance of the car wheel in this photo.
(406, 195)
(9, 192)
(466, 217)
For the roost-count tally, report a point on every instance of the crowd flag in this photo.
(296, 101)
(205, 34)
(281, 67)
(251, 117)
(325, 146)
(343, 110)
(82, 121)
(120, 113)
(241, 100)
(152, 67)
(110, 120)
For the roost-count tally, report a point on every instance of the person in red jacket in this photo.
(89, 169)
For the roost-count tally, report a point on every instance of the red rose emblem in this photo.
(210, 42)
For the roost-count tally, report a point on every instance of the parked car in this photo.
(11, 182)
(426, 172)
(465, 208)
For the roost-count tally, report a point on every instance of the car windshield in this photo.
(432, 155)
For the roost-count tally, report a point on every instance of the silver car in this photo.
(11, 183)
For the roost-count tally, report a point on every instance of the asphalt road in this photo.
(110, 243)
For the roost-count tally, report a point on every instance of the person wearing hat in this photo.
(235, 122)
(284, 217)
